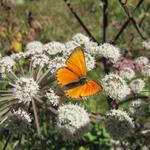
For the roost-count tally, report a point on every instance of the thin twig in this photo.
(125, 24)
(36, 117)
(7, 141)
(132, 99)
(80, 21)
(122, 145)
(130, 16)
(105, 19)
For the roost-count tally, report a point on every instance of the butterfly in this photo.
(72, 77)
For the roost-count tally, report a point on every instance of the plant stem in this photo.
(7, 141)
(36, 117)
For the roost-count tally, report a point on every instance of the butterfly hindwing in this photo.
(88, 89)
(76, 62)
(65, 76)
(75, 92)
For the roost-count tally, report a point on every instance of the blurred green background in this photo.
(51, 20)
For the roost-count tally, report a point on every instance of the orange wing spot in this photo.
(65, 76)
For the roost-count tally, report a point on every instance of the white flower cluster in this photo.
(146, 70)
(34, 47)
(109, 51)
(80, 38)
(56, 63)
(137, 85)
(25, 89)
(119, 124)
(22, 114)
(39, 60)
(127, 73)
(17, 121)
(70, 46)
(115, 87)
(17, 56)
(90, 62)
(136, 107)
(141, 60)
(52, 97)
(73, 122)
(52, 48)
(6, 65)
(146, 44)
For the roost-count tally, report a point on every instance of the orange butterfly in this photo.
(73, 77)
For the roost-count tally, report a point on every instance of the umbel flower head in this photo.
(34, 47)
(119, 124)
(137, 85)
(17, 121)
(146, 44)
(146, 71)
(137, 107)
(6, 65)
(127, 73)
(90, 61)
(109, 51)
(25, 89)
(72, 122)
(53, 98)
(115, 87)
(39, 60)
(52, 48)
(141, 60)
(80, 38)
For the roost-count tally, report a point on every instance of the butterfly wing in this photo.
(75, 92)
(76, 62)
(65, 76)
(88, 89)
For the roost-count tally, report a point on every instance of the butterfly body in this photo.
(73, 77)
(80, 81)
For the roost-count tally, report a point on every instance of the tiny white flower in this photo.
(54, 47)
(115, 87)
(109, 51)
(72, 122)
(52, 97)
(137, 85)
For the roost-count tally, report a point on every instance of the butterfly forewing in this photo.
(65, 76)
(76, 62)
